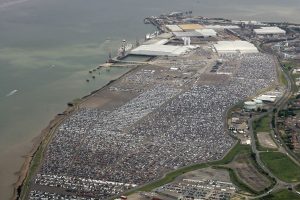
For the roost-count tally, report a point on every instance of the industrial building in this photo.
(274, 30)
(250, 105)
(206, 32)
(159, 50)
(174, 28)
(187, 34)
(267, 98)
(190, 27)
(237, 46)
(222, 27)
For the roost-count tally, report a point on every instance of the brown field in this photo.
(265, 140)
(248, 173)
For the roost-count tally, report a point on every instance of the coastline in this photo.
(45, 137)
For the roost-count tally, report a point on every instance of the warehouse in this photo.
(190, 27)
(237, 46)
(159, 50)
(207, 32)
(173, 28)
(269, 31)
(187, 34)
(222, 27)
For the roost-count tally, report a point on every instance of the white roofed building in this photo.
(222, 27)
(236, 46)
(274, 30)
(207, 32)
(160, 50)
(187, 34)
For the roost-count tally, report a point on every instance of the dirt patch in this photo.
(249, 174)
(206, 174)
(265, 140)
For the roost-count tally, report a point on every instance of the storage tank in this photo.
(259, 103)
(250, 105)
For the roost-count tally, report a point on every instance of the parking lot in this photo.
(98, 153)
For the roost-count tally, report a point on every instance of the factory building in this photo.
(237, 46)
(271, 31)
(160, 50)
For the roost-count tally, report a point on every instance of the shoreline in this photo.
(47, 133)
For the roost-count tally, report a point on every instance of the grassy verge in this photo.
(282, 195)
(281, 166)
(33, 167)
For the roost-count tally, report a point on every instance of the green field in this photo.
(282, 195)
(262, 124)
(281, 166)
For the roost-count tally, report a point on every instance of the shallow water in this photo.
(48, 47)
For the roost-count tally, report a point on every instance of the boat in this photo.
(12, 93)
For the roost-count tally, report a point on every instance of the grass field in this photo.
(281, 166)
(262, 124)
(282, 195)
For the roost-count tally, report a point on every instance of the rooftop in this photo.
(159, 50)
(190, 26)
(236, 46)
(269, 30)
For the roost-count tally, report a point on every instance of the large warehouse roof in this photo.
(221, 27)
(187, 34)
(269, 30)
(173, 28)
(186, 27)
(237, 46)
(159, 50)
(207, 32)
